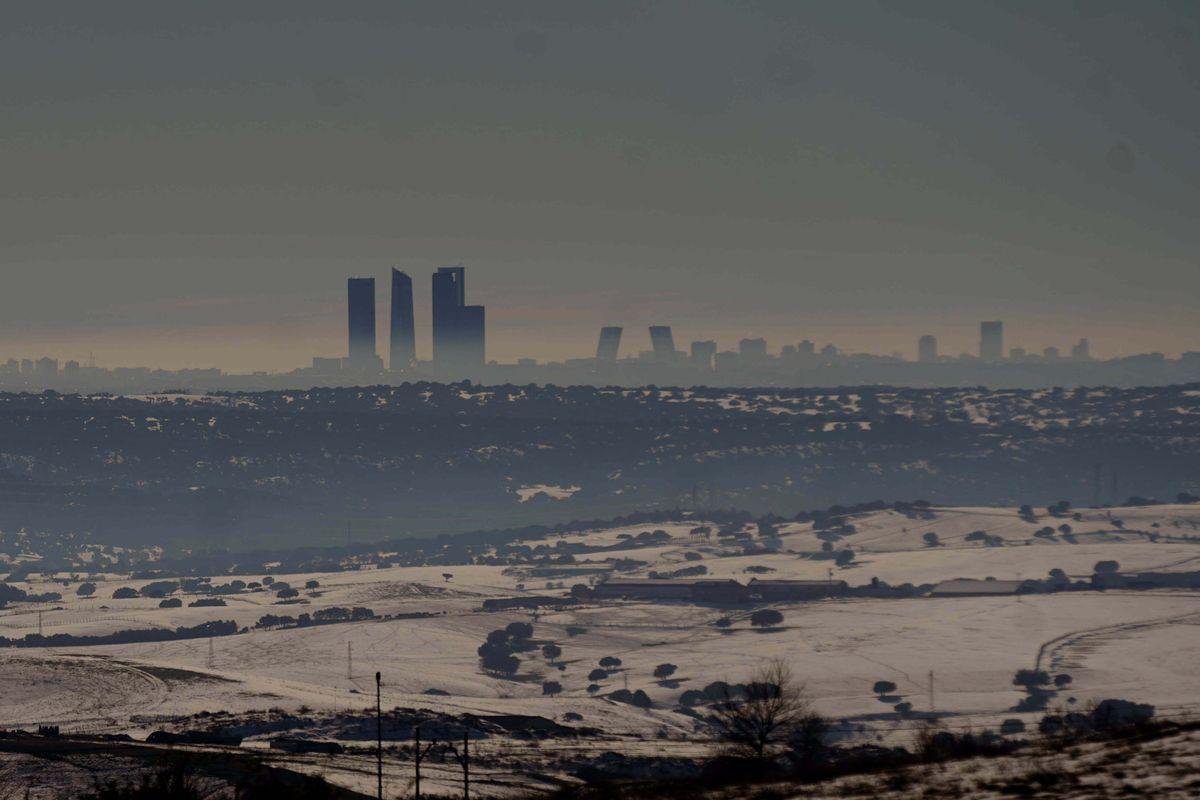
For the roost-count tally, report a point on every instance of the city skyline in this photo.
(393, 317)
(194, 213)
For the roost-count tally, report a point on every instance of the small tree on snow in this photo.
(664, 671)
(766, 618)
(772, 709)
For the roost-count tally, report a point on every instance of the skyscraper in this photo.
(663, 343)
(753, 349)
(991, 341)
(458, 329)
(702, 354)
(927, 349)
(1081, 351)
(403, 352)
(361, 304)
(610, 343)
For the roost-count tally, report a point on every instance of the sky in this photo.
(189, 185)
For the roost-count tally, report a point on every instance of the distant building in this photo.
(610, 343)
(663, 343)
(726, 361)
(71, 369)
(402, 352)
(459, 337)
(1017, 354)
(753, 349)
(1050, 354)
(705, 590)
(361, 306)
(783, 590)
(702, 355)
(991, 341)
(1081, 351)
(26, 366)
(927, 350)
(807, 348)
(967, 587)
(46, 369)
(326, 366)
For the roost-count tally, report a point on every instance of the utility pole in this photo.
(39, 622)
(932, 707)
(379, 730)
(349, 661)
(466, 765)
(210, 652)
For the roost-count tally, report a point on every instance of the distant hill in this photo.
(369, 463)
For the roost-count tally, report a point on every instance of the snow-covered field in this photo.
(1136, 645)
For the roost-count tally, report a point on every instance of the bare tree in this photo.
(767, 713)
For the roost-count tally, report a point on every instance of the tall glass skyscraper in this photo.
(610, 343)
(991, 341)
(663, 343)
(361, 304)
(403, 342)
(458, 329)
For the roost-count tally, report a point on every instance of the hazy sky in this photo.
(191, 184)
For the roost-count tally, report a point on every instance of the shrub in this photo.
(86, 589)
(551, 651)
(1113, 714)
(170, 602)
(1012, 727)
(610, 662)
(125, 593)
(1031, 679)
(766, 618)
(664, 671)
(884, 687)
(551, 688)
(597, 675)
(519, 630)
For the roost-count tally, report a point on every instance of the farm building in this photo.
(969, 587)
(782, 590)
(702, 591)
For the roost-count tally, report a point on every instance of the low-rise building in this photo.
(970, 587)
(783, 590)
(709, 590)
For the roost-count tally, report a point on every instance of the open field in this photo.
(1137, 645)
